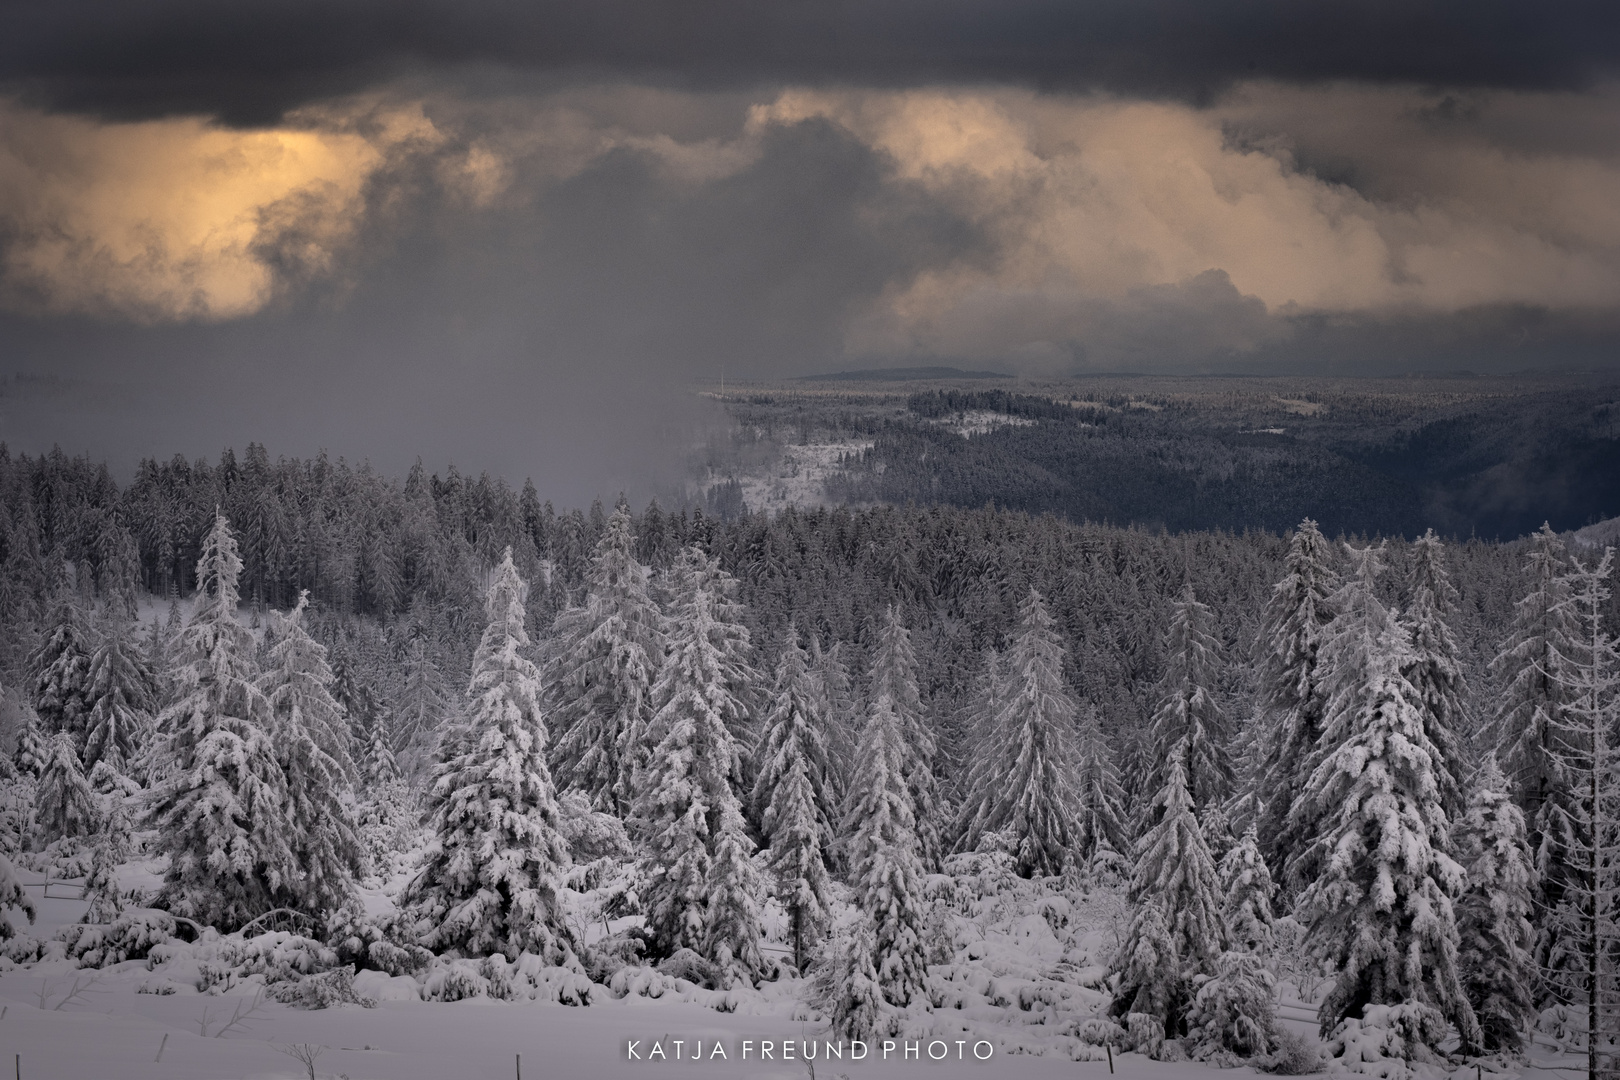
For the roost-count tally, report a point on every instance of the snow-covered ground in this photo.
(1020, 985)
(798, 478)
(980, 422)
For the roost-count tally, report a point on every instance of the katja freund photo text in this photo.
(667, 1049)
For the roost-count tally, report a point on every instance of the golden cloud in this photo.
(1089, 199)
(179, 219)
(1091, 206)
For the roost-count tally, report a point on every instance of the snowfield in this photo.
(1024, 979)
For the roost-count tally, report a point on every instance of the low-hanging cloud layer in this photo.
(395, 235)
(1076, 216)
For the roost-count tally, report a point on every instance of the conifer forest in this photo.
(293, 736)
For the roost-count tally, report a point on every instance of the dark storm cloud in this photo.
(249, 62)
(556, 337)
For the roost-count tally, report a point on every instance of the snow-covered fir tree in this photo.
(1379, 898)
(121, 698)
(1234, 1013)
(65, 805)
(894, 675)
(490, 876)
(792, 798)
(1178, 921)
(1532, 722)
(112, 849)
(1435, 671)
(422, 711)
(311, 738)
(32, 746)
(702, 891)
(1102, 836)
(1188, 715)
(219, 798)
(835, 691)
(59, 668)
(1029, 790)
(847, 984)
(1580, 934)
(1493, 915)
(298, 683)
(604, 662)
(378, 765)
(885, 866)
(1291, 692)
(12, 895)
(1247, 889)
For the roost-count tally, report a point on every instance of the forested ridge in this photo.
(1487, 457)
(830, 751)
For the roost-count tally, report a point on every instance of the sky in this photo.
(512, 234)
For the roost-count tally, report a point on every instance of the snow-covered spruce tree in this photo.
(298, 684)
(1101, 836)
(1234, 1014)
(837, 706)
(792, 799)
(1493, 915)
(1177, 892)
(1434, 669)
(491, 873)
(120, 699)
(894, 674)
(847, 983)
(1291, 693)
(1345, 661)
(702, 891)
(422, 711)
(1379, 896)
(12, 894)
(1247, 889)
(32, 746)
(59, 668)
(885, 869)
(1532, 724)
(377, 765)
(65, 807)
(311, 737)
(1188, 715)
(600, 677)
(112, 844)
(1030, 792)
(982, 744)
(219, 797)
(1581, 934)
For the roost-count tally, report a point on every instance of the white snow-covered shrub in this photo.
(12, 894)
(378, 943)
(1101, 1031)
(1235, 1011)
(454, 980)
(1387, 1039)
(25, 949)
(591, 834)
(1561, 1023)
(130, 936)
(847, 989)
(1146, 1033)
(1294, 1055)
(218, 963)
(688, 965)
(321, 990)
(528, 977)
(66, 857)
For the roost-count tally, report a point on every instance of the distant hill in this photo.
(1599, 535)
(902, 374)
